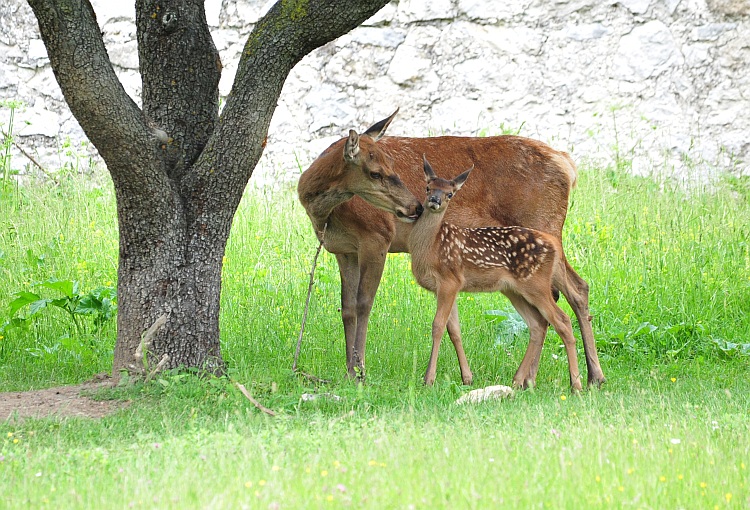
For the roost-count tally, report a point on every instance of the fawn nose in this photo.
(433, 199)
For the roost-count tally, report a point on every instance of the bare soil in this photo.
(64, 401)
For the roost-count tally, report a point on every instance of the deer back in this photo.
(516, 181)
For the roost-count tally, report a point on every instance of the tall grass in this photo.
(669, 270)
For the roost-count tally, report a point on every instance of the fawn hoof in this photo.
(467, 380)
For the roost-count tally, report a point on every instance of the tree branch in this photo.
(290, 30)
(109, 117)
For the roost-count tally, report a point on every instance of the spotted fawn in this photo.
(524, 264)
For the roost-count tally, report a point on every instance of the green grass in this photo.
(670, 276)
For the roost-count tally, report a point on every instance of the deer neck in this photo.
(320, 193)
(425, 233)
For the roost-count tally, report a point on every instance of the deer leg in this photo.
(525, 376)
(454, 331)
(371, 264)
(561, 322)
(446, 298)
(349, 272)
(576, 292)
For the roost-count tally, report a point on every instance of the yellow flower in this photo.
(329, 498)
(598, 478)
(679, 477)
(275, 468)
(563, 397)
(248, 484)
(261, 482)
(662, 478)
(673, 379)
(703, 485)
(324, 473)
(728, 496)
(621, 488)
(373, 463)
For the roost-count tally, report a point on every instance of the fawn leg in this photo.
(561, 322)
(454, 331)
(446, 297)
(576, 292)
(525, 376)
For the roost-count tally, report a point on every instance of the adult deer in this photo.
(524, 264)
(518, 181)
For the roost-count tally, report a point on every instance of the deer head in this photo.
(441, 191)
(369, 173)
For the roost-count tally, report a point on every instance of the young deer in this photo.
(522, 263)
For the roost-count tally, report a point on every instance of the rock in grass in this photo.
(309, 397)
(483, 394)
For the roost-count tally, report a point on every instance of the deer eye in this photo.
(428, 189)
(450, 195)
(376, 175)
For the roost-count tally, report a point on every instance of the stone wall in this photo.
(665, 84)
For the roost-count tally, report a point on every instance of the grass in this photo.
(670, 276)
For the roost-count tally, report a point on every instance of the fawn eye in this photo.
(376, 175)
(450, 195)
(428, 189)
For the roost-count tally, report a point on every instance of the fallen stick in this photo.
(307, 307)
(257, 404)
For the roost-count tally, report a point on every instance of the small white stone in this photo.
(483, 394)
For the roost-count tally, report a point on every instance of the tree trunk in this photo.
(179, 169)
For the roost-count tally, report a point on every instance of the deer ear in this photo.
(429, 173)
(377, 130)
(351, 149)
(461, 179)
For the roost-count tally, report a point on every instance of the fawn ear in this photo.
(377, 130)
(429, 174)
(461, 179)
(351, 149)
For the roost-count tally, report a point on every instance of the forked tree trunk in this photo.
(178, 169)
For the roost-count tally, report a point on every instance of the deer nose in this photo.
(434, 200)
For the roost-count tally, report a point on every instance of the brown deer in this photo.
(522, 263)
(518, 181)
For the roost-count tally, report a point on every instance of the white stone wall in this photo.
(665, 84)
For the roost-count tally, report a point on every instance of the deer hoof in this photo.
(596, 380)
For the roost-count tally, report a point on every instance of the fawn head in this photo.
(441, 191)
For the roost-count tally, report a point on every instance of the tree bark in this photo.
(178, 168)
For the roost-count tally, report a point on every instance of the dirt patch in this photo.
(65, 401)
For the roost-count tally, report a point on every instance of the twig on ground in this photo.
(257, 404)
(307, 307)
(313, 378)
(158, 368)
(141, 361)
